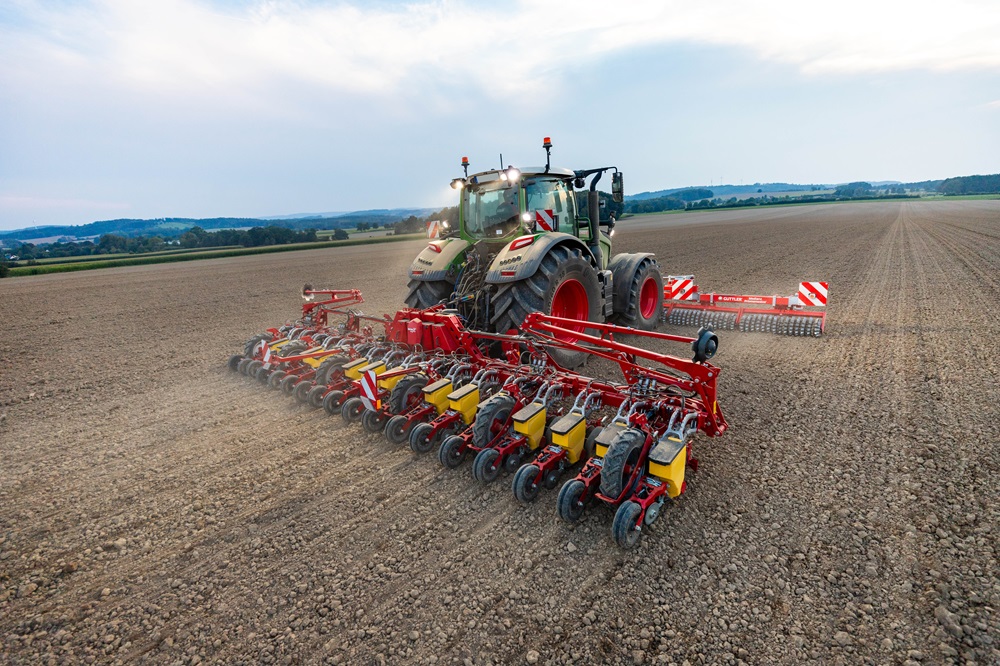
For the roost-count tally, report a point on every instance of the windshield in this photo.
(492, 210)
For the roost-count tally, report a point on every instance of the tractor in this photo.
(522, 245)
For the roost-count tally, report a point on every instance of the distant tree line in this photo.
(675, 201)
(971, 185)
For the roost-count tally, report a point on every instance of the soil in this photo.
(155, 508)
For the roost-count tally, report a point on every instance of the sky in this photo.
(206, 108)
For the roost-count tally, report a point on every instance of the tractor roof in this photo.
(494, 174)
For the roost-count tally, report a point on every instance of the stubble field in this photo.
(156, 509)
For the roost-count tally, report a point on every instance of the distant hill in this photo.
(732, 190)
(172, 227)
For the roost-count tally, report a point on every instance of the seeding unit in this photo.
(784, 315)
(422, 377)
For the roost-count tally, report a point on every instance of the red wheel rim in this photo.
(570, 302)
(649, 299)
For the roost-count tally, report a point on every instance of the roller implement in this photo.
(801, 314)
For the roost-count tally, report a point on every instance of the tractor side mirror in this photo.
(617, 187)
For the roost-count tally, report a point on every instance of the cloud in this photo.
(995, 104)
(502, 50)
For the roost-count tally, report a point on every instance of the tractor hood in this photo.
(439, 260)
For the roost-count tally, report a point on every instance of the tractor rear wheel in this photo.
(620, 460)
(426, 293)
(645, 298)
(565, 285)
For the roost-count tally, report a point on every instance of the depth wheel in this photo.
(570, 500)
(372, 421)
(234, 362)
(422, 438)
(624, 528)
(331, 402)
(301, 391)
(252, 367)
(274, 379)
(315, 396)
(288, 383)
(352, 409)
(263, 373)
(452, 452)
(396, 430)
(525, 488)
(486, 467)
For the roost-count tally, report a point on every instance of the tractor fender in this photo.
(623, 267)
(437, 261)
(513, 265)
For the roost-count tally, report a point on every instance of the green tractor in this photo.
(522, 245)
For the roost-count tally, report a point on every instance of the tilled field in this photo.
(156, 509)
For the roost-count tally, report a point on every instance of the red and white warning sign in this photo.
(267, 355)
(813, 294)
(545, 219)
(681, 288)
(433, 228)
(369, 391)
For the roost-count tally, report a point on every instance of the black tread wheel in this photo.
(493, 414)
(537, 293)
(241, 367)
(352, 409)
(234, 362)
(315, 396)
(486, 466)
(513, 462)
(372, 421)
(569, 503)
(262, 374)
(288, 383)
(328, 366)
(301, 391)
(426, 293)
(396, 429)
(422, 438)
(590, 445)
(624, 529)
(274, 379)
(406, 392)
(293, 348)
(525, 488)
(452, 453)
(252, 367)
(251, 344)
(645, 298)
(331, 402)
(623, 452)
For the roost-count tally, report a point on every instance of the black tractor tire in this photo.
(329, 365)
(331, 402)
(396, 431)
(406, 393)
(570, 506)
(624, 451)
(352, 409)
(624, 529)
(427, 293)
(525, 488)
(422, 438)
(486, 466)
(452, 453)
(645, 298)
(494, 412)
(234, 362)
(537, 293)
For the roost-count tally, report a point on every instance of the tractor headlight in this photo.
(457, 184)
(526, 217)
(513, 174)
